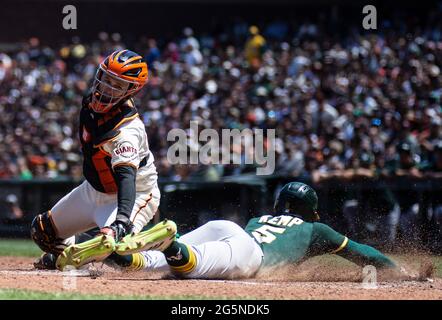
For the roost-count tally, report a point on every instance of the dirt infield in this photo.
(312, 281)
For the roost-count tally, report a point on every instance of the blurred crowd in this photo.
(361, 104)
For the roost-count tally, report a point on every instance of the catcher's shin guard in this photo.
(159, 237)
(44, 235)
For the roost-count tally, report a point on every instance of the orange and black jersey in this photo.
(95, 131)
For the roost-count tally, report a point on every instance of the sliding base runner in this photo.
(287, 239)
(223, 250)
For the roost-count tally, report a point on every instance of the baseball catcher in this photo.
(120, 193)
(223, 250)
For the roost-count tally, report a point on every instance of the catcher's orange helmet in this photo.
(120, 75)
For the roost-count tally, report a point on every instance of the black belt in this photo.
(144, 161)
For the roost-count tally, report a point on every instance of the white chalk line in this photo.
(355, 285)
(87, 273)
(252, 283)
(77, 273)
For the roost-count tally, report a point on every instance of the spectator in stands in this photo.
(153, 53)
(254, 48)
(10, 211)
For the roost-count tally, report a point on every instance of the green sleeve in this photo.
(363, 254)
(326, 240)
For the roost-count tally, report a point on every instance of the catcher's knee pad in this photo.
(44, 235)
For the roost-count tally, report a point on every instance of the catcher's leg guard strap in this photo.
(44, 235)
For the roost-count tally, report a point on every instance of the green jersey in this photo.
(289, 239)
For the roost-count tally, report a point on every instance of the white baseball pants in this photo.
(85, 208)
(223, 251)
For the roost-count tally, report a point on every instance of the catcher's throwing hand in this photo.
(119, 229)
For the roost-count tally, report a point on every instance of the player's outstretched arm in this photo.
(363, 254)
(326, 240)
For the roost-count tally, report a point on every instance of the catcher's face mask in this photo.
(109, 89)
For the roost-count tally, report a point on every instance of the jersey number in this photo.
(265, 234)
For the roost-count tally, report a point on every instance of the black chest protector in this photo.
(95, 130)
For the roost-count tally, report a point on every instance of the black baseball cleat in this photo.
(46, 262)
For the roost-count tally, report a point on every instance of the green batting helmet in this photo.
(297, 198)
